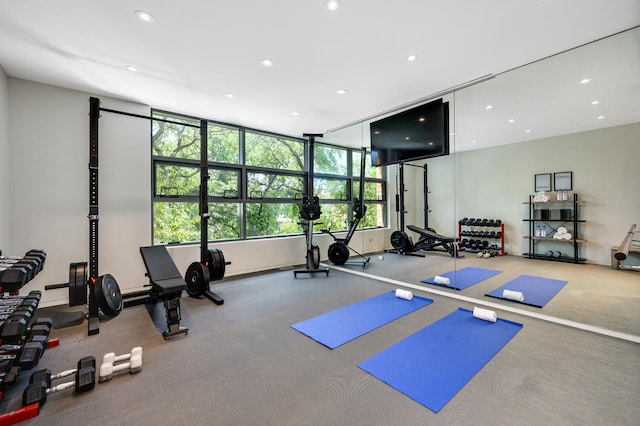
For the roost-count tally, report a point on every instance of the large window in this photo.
(255, 182)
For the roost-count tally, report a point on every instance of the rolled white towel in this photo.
(404, 294)
(513, 295)
(441, 280)
(557, 236)
(485, 314)
(567, 236)
(562, 230)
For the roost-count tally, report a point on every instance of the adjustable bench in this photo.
(429, 240)
(166, 284)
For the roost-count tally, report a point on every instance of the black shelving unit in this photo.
(554, 215)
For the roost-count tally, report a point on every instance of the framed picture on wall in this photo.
(562, 181)
(542, 182)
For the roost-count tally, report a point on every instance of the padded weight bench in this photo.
(166, 284)
(429, 240)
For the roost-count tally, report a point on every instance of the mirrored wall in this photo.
(576, 112)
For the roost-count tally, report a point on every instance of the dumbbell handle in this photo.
(121, 367)
(64, 373)
(123, 357)
(61, 386)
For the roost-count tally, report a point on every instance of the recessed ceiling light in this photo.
(595, 102)
(412, 57)
(489, 107)
(585, 80)
(528, 131)
(144, 16)
(511, 120)
(474, 141)
(341, 91)
(406, 138)
(295, 113)
(230, 95)
(333, 5)
(600, 117)
(421, 119)
(267, 62)
(130, 68)
(430, 143)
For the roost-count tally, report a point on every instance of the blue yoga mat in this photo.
(465, 277)
(432, 365)
(338, 327)
(537, 291)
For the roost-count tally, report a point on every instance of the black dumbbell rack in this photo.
(478, 235)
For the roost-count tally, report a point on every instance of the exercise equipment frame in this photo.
(310, 211)
(338, 251)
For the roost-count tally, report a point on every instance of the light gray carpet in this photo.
(242, 363)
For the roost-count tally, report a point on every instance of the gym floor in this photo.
(243, 364)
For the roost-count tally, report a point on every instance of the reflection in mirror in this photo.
(541, 118)
(578, 112)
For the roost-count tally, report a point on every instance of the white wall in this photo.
(5, 242)
(49, 136)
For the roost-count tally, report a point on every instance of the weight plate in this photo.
(338, 253)
(78, 284)
(108, 295)
(197, 278)
(309, 260)
(399, 240)
(216, 264)
(315, 250)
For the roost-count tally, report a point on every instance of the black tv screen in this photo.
(414, 134)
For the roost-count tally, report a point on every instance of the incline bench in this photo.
(166, 284)
(429, 240)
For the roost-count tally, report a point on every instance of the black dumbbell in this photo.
(8, 372)
(12, 279)
(29, 266)
(40, 382)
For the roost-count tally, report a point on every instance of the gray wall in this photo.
(4, 163)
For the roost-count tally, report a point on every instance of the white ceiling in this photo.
(196, 51)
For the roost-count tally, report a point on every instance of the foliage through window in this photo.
(255, 182)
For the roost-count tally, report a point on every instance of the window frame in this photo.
(243, 170)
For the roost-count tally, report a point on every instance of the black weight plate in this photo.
(78, 284)
(399, 240)
(216, 264)
(315, 250)
(338, 253)
(108, 295)
(310, 260)
(197, 278)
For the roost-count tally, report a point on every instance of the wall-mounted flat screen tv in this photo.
(414, 134)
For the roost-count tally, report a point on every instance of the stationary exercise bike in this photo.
(339, 250)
